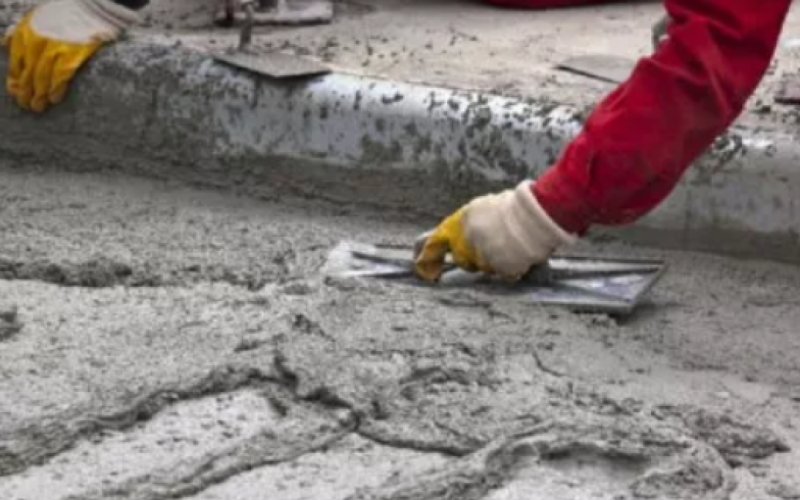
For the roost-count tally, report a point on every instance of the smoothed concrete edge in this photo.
(387, 143)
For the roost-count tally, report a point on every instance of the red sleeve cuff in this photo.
(564, 206)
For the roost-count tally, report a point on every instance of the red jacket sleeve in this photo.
(641, 138)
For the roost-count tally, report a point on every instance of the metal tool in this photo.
(610, 68)
(614, 286)
(269, 63)
(606, 68)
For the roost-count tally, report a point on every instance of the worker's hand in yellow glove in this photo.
(503, 234)
(52, 41)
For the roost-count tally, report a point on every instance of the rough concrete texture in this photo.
(178, 342)
(147, 100)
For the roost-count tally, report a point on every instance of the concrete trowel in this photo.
(268, 63)
(583, 284)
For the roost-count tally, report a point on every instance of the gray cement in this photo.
(491, 111)
(172, 341)
(462, 44)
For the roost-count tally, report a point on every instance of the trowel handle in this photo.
(246, 35)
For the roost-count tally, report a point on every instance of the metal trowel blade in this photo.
(272, 64)
(615, 286)
(350, 259)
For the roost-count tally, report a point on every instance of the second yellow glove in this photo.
(51, 43)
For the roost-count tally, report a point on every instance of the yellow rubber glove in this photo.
(504, 234)
(51, 43)
(448, 238)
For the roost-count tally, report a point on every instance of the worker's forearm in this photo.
(133, 4)
(638, 142)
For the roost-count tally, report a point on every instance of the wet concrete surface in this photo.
(177, 342)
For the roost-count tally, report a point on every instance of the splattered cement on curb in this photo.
(194, 115)
(465, 45)
(180, 343)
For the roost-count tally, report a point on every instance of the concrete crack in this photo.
(469, 479)
(683, 469)
(102, 272)
(737, 441)
(35, 443)
(194, 476)
(368, 419)
(543, 367)
(377, 435)
(94, 273)
(686, 455)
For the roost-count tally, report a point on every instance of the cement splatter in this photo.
(9, 322)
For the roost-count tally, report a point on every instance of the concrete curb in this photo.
(170, 111)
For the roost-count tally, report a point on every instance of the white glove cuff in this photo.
(10, 29)
(536, 228)
(113, 13)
